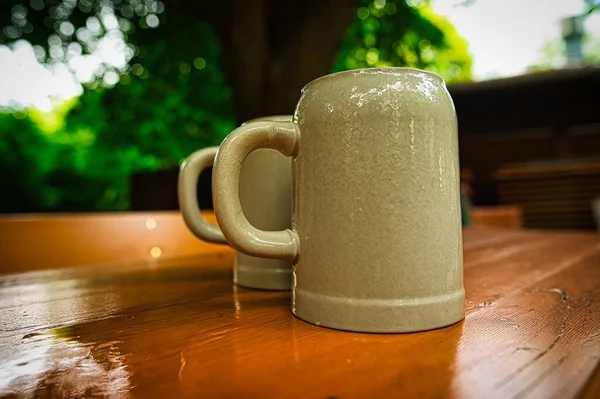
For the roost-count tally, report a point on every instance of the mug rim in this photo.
(370, 71)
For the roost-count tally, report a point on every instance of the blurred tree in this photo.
(21, 166)
(173, 102)
(393, 33)
(271, 48)
(276, 47)
(152, 71)
(154, 93)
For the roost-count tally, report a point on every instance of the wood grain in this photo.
(179, 328)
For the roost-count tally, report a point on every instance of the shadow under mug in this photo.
(265, 192)
(376, 230)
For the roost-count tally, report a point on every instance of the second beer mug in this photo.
(266, 196)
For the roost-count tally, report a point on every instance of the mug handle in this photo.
(188, 195)
(281, 136)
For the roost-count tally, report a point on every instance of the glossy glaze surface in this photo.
(179, 328)
(187, 194)
(379, 218)
(265, 192)
(376, 223)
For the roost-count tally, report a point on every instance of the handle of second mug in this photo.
(281, 136)
(187, 187)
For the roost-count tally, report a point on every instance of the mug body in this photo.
(266, 198)
(376, 203)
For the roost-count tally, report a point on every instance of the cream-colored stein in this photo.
(376, 229)
(265, 190)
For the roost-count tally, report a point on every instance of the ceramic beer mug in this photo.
(266, 195)
(376, 231)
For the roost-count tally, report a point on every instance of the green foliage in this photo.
(26, 157)
(164, 94)
(171, 99)
(394, 33)
(175, 103)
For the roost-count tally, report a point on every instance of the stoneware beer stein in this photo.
(376, 231)
(265, 188)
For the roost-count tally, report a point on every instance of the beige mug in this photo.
(265, 191)
(376, 229)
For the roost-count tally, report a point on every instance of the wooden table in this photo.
(177, 327)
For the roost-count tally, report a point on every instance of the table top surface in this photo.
(179, 328)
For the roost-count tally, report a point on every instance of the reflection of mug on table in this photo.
(596, 211)
(266, 195)
(376, 230)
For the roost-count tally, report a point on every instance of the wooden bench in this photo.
(37, 241)
(497, 216)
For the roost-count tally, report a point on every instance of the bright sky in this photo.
(505, 37)
(25, 82)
